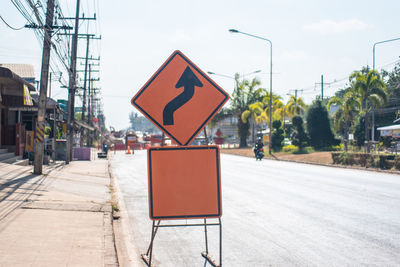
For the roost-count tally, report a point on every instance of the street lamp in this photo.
(373, 67)
(270, 82)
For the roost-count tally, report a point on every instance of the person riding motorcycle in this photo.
(259, 147)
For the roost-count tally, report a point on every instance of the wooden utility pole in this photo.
(84, 103)
(44, 76)
(89, 119)
(71, 89)
(84, 90)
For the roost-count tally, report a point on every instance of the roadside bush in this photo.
(299, 137)
(277, 136)
(386, 141)
(319, 128)
(335, 148)
(397, 163)
(290, 148)
(344, 158)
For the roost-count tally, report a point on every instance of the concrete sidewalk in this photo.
(61, 218)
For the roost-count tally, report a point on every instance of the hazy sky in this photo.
(309, 38)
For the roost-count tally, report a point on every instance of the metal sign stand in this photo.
(147, 257)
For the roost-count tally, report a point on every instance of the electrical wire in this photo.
(9, 26)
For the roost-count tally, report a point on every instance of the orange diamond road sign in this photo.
(184, 182)
(180, 99)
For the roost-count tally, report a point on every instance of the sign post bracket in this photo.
(147, 257)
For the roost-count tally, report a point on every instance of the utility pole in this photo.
(71, 89)
(89, 106)
(84, 89)
(50, 85)
(322, 87)
(85, 78)
(88, 37)
(44, 76)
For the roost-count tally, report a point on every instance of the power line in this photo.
(9, 26)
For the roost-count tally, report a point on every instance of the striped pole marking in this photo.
(39, 133)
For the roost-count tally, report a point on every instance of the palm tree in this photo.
(295, 106)
(252, 113)
(280, 112)
(246, 92)
(371, 91)
(348, 108)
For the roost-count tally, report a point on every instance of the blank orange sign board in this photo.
(184, 182)
(180, 99)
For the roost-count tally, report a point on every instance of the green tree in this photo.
(359, 131)
(277, 136)
(390, 113)
(347, 109)
(252, 113)
(299, 137)
(245, 93)
(318, 126)
(372, 92)
(140, 123)
(295, 106)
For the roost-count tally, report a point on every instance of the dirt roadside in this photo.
(316, 157)
(319, 158)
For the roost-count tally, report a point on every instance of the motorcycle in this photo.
(259, 154)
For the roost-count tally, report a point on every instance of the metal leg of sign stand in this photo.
(205, 253)
(147, 258)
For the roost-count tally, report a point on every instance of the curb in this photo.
(340, 166)
(127, 253)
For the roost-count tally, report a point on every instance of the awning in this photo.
(84, 125)
(50, 103)
(6, 73)
(390, 127)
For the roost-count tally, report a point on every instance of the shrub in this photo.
(277, 136)
(318, 126)
(344, 158)
(290, 148)
(299, 137)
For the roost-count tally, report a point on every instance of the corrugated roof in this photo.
(22, 70)
(390, 127)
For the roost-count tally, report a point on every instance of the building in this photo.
(15, 99)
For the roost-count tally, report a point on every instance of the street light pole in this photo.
(270, 84)
(373, 67)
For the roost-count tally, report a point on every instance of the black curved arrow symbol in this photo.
(188, 80)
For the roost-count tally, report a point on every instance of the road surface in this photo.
(278, 214)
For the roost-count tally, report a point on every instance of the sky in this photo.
(310, 38)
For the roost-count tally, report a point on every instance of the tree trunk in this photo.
(366, 127)
(254, 140)
(243, 131)
(346, 136)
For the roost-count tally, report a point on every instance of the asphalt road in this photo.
(278, 214)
